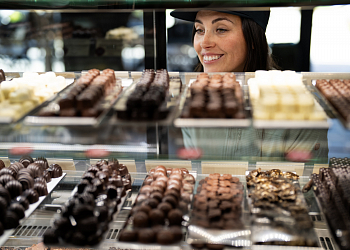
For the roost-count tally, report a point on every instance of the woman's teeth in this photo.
(210, 58)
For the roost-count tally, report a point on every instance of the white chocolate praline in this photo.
(270, 103)
(261, 115)
(317, 116)
(21, 95)
(288, 104)
(280, 116)
(7, 87)
(296, 116)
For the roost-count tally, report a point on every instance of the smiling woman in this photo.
(229, 41)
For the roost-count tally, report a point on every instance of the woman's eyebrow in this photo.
(221, 19)
(215, 20)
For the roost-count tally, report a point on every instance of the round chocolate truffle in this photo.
(177, 232)
(50, 237)
(152, 202)
(165, 207)
(157, 195)
(88, 225)
(146, 235)
(128, 235)
(171, 200)
(26, 160)
(82, 211)
(156, 217)
(165, 237)
(140, 219)
(175, 217)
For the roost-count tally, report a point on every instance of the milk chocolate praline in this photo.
(128, 235)
(140, 219)
(146, 235)
(165, 237)
(2, 164)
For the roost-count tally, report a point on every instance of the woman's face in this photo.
(219, 41)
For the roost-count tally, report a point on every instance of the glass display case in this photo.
(201, 145)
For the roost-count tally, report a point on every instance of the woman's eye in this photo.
(221, 30)
(199, 31)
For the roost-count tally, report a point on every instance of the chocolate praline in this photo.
(5, 179)
(157, 195)
(40, 188)
(18, 209)
(50, 236)
(123, 169)
(11, 220)
(26, 160)
(14, 187)
(6, 171)
(171, 200)
(32, 195)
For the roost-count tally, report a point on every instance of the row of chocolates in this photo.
(21, 184)
(86, 215)
(163, 200)
(333, 192)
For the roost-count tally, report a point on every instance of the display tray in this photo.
(329, 108)
(8, 120)
(281, 222)
(294, 124)
(164, 115)
(180, 121)
(129, 224)
(50, 187)
(236, 232)
(108, 101)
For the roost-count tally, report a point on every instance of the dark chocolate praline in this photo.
(36, 169)
(5, 179)
(14, 187)
(42, 161)
(88, 225)
(56, 170)
(40, 188)
(18, 209)
(26, 160)
(50, 237)
(31, 195)
(23, 201)
(26, 181)
(11, 220)
(6, 171)
(47, 176)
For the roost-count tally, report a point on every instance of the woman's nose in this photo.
(208, 40)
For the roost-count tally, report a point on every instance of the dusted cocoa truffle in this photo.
(112, 192)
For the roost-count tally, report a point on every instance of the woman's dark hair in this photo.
(258, 56)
